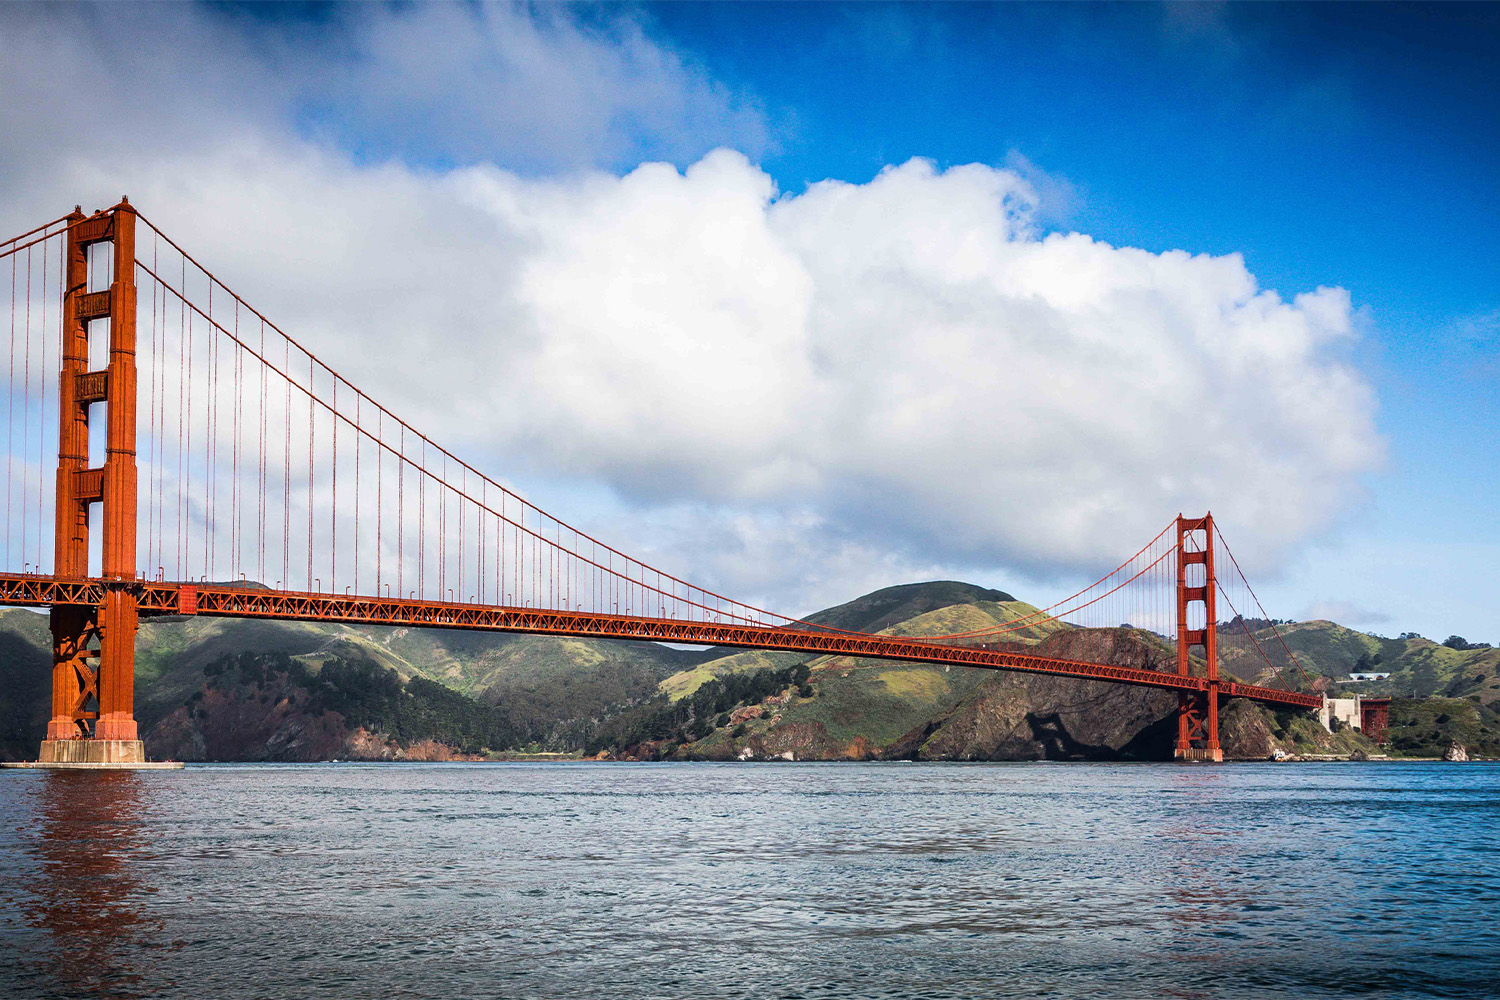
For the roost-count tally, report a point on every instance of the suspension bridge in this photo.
(231, 472)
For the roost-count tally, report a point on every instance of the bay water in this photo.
(752, 880)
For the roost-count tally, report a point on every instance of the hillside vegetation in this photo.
(240, 689)
(1426, 727)
(550, 688)
(1328, 652)
(270, 706)
(942, 608)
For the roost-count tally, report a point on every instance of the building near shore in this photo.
(1371, 716)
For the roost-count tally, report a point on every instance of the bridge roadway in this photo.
(156, 599)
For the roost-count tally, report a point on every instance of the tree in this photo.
(1456, 642)
(1424, 680)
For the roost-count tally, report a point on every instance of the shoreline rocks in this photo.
(1456, 753)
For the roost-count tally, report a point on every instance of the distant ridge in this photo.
(892, 605)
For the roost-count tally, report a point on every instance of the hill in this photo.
(1426, 727)
(850, 708)
(855, 708)
(943, 606)
(637, 699)
(1328, 652)
(541, 683)
(882, 609)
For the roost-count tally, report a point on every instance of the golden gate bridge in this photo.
(231, 472)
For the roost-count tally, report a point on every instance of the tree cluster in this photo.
(697, 715)
(369, 695)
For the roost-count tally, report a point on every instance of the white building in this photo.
(1358, 713)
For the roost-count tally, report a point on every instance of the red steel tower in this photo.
(93, 647)
(1197, 712)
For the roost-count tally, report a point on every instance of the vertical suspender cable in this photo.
(356, 493)
(234, 449)
(41, 427)
(311, 438)
(333, 508)
(401, 518)
(151, 436)
(26, 420)
(216, 353)
(421, 524)
(379, 500)
(260, 514)
(286, 468)
(10, 423)
(184, 429)
(210, 467)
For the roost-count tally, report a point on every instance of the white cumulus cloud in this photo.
(797, 393)
(909, 357)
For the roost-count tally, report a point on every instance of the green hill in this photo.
(940, 607)
(25, 682)
(644, 699)
(1329, 652)
(542, 682)
(1426, 727)
(880, 609)
(849, 708)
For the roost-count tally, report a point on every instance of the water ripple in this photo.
(811, 881)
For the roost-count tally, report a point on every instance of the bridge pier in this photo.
(1198, 728)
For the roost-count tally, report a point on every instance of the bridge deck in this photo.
(240, 602)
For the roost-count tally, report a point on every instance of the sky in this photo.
(803, 300)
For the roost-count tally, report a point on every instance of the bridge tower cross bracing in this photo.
(93, 676)
(1197, 711)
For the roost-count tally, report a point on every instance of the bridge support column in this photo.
(1198, 711)
(93, 648)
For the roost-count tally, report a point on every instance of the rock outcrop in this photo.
(1456, 752)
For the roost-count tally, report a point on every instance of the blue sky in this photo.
(1347, 144)
(1328, 145)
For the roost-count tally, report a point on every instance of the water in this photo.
(722, 880)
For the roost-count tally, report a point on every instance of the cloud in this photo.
(913, 359)
(1478, 330)
(531, 88)
(1343, 613)
(789, 395)
(535, 88)
(1473, 346)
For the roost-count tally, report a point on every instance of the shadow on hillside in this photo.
(25, 697)
(1050, 732)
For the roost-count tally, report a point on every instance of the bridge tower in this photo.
(93, 647)
(1197, 712)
